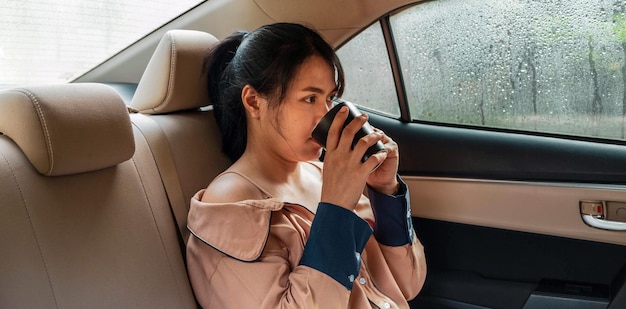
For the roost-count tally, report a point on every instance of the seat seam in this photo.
(32, 226)
(167, 254)
(159, 163)
(42, 119)
(170, 80)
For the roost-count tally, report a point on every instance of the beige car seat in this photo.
(86, 190)
(84, 219)
(173, 112)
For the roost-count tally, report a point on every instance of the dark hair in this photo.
(267, 60)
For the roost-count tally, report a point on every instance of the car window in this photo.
(369, 80)
(543, 66)
(51, 41)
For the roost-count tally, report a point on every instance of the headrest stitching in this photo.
(170, 82)
(42, 119)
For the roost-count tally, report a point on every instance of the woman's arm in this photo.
(393, 229)
(321, 278)
(220, 281)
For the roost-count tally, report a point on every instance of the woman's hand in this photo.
(344, 174)
(383, 179)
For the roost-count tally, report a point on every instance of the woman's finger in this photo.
(334, 132)
(364, 143)
(375, 160)
(347, 136)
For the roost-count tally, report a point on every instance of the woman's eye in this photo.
(310, 100)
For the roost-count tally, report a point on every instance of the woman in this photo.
(277, 228)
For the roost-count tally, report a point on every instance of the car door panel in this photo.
(499, 215)
(498, 268)
(542, 208)
(448, 151)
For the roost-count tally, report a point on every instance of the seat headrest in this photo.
(68, 128)
(173, 79)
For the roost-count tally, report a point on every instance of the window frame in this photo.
(401, 93)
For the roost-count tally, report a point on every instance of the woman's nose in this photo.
(329, 105)
(322, 110)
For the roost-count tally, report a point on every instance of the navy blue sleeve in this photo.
(337, 239)
(393, 225)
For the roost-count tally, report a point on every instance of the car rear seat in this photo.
(84, 219)
(172, 111)
(85, 190)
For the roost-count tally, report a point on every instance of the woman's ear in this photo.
(252, 101)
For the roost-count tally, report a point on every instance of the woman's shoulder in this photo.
(232, 186)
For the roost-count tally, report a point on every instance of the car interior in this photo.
(108, 184)
(96, 176)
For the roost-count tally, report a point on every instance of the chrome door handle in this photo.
(603, 224)
(604, 214)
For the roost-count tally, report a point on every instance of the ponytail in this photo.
(225, 95)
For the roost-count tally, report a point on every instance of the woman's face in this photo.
(306, 100)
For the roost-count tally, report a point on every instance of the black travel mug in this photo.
(320, 132)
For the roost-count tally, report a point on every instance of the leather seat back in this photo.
(84, 219)
(174, 113)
